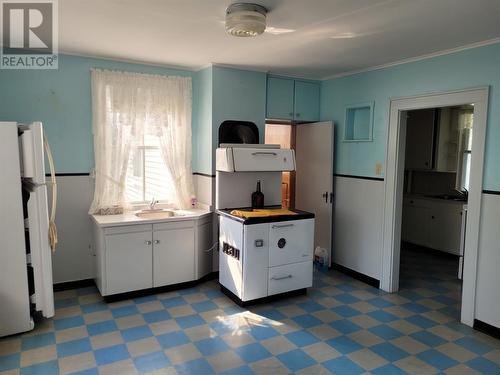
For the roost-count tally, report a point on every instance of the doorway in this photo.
(283, 135)
(395, 185)
(437, 162)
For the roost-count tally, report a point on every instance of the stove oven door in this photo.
(291, 242)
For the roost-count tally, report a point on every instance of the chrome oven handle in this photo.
(264, 153)
(275, 226)
(281, 277)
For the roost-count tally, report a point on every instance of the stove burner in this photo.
(281, 243)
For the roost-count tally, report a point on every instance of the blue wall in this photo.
(225, 94)
(61, 99)
(202, 121)
(461, 70)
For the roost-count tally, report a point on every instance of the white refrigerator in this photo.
(25, 255)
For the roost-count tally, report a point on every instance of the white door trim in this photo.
(394, 188)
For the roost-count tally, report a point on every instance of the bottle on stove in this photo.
(257, 197)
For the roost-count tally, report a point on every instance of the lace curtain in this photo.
(127, 105)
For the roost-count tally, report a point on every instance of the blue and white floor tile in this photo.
(341, 326)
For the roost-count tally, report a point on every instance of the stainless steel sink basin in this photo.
(155, 214)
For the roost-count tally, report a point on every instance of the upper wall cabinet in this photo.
(306, 101)
(280, 98)
(290, 99)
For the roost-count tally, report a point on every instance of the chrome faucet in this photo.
(153, 203)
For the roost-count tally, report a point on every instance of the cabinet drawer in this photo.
(124, 229)
(291, 242)
(173, 225)
(290, 277)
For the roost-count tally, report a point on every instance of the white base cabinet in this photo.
(129, 261)
(142, 256)
(173, 253)
(433, 223)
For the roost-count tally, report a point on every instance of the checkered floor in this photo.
(342, 326)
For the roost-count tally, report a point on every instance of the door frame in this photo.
(332, 193)
(394, 187)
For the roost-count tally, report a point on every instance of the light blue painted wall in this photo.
(202, 121)
(461, 70)
(61, 99)
(238, 95)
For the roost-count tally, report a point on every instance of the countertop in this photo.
(129, 218)
(266, 219)
(435, 199)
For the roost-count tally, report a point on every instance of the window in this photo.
(466, 120)
(142, 139)
(148, 176)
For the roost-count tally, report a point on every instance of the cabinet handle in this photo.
(148, 242)
(298, 114)
(432, 217)
(291, 114)
(281, 277)
(157, 242)
(282, 226)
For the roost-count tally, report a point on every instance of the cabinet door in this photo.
(420, 139)
(306, 101)
(446, 226)
(173, 253)
(280, 98)
(128, 262)
(415, 225)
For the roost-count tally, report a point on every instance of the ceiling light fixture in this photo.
(245, 19)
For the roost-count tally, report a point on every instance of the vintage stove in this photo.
(262, 253)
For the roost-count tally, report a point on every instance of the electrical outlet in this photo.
(378, 169)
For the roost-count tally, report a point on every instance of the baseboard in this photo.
(161, 289)
(73, 284)
(357, 275)
(487, 328)
(428, 250)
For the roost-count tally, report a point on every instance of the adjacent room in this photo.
(274, 187)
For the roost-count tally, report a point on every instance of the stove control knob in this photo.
(281, 243)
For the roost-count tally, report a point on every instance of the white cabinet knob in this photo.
(148, 242)
(157, 242)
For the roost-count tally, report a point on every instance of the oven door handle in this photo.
(264, 153)
(281, 277)
(282, 226)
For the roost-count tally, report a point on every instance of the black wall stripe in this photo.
(359, 177)
(493, 192)
(68, 174)
(204, 174)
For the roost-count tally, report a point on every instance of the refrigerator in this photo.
(26, 290)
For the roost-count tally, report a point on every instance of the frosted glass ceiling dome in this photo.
(245, 19)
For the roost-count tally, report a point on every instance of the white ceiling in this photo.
(323, 38)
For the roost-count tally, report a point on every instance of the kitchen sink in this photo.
(155, 214)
